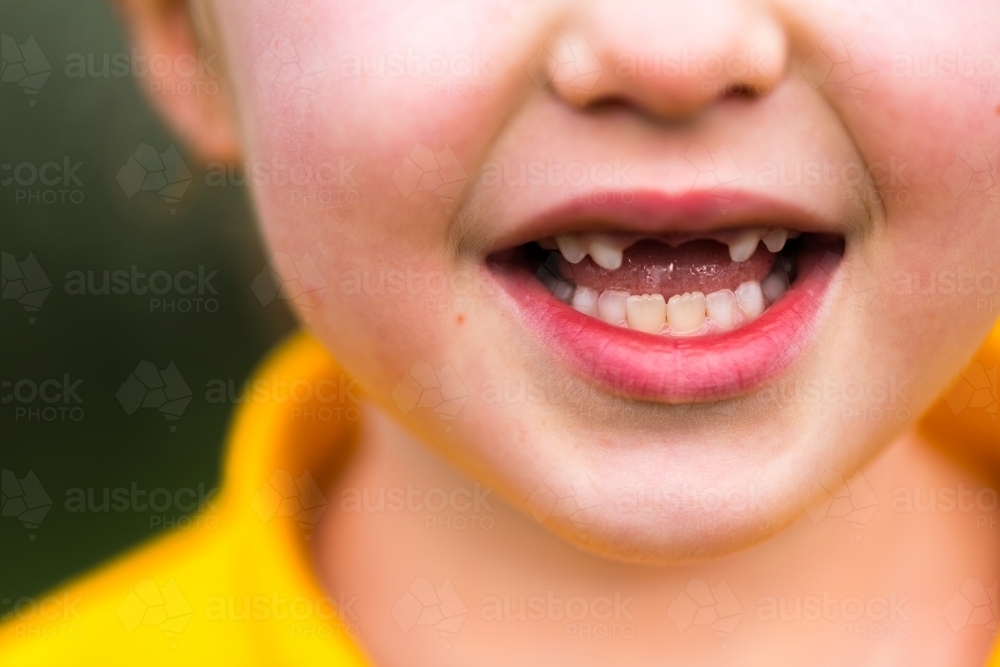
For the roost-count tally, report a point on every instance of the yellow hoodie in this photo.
(236, 587)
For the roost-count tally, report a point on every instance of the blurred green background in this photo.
(86, 221)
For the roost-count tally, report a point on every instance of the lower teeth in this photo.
(689, 314)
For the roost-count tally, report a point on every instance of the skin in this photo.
(655, 468)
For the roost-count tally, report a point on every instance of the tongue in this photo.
(651, 267)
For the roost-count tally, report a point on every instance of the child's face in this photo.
(426, 138)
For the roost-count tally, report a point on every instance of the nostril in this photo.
(739, 90)
(607, 103)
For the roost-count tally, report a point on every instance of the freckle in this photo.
(460, 319)
(998, 109)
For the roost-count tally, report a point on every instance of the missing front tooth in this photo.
(701, 301)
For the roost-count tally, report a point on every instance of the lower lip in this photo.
(670, 369)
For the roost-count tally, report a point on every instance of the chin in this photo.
(647, 482)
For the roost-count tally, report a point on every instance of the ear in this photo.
(184, 73)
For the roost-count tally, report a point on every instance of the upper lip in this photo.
(655, 212)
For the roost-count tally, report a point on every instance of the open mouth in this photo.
(676, 315)
(677, 285)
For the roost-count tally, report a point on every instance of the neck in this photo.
(880, 590)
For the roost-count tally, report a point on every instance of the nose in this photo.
(669, 58)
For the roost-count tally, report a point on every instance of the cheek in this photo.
(359, 141)
(928, 125)
(395, 89)
(364, 121)
(922, 104)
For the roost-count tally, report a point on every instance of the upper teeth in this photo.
(605, 249)
(775, 239)
(743, 245)
(571, 248)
